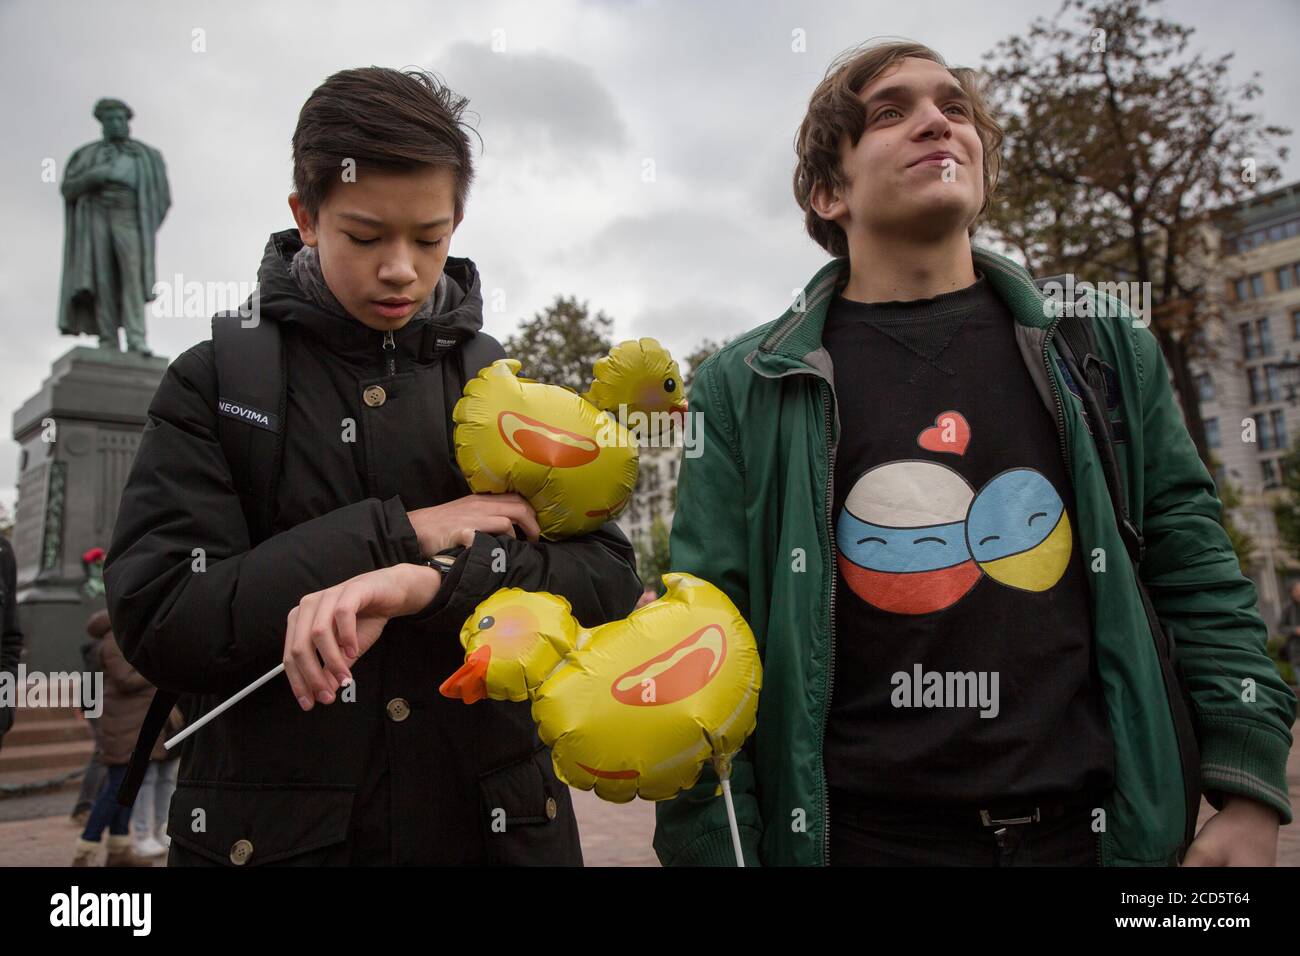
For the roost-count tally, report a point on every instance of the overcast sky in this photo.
(580, 98)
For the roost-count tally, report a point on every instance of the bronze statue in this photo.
(115, 197)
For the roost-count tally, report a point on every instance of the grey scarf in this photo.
(306, 271)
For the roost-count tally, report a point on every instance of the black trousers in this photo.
(871, 833)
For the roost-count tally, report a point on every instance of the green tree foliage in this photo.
(652, 555)
(1120, 148)
(560, 344)
(1286, 510)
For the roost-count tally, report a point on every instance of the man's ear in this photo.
(303, 219)
(826, 202)
(460, 214)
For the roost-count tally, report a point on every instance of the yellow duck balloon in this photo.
(633, 707)
(569, 455)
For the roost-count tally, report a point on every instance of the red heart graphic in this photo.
(949, 433)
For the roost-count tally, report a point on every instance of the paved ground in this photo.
(612, 834)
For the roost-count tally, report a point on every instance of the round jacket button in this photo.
(398, 710)
(240, 852)
(551, 808)
(375, 396)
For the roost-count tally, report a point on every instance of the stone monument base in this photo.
(79, 436)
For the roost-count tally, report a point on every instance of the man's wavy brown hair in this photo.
(835, 112)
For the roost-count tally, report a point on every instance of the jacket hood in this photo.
(281, 300)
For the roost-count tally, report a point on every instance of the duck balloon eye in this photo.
(485, 622)
(669, 385)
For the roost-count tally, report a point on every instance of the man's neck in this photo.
(885, 269)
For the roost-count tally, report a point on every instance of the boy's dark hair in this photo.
(384, 119)
(835, 114)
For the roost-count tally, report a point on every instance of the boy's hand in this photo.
(343, 622)
(444, 526)
(1243, 833)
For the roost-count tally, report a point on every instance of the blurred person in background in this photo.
(126, 700)
(11, 638)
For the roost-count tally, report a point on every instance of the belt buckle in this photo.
(990, 821)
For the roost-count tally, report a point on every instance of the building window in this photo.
(1285, 278)
(1256, 285)
(1205, 387)
(1220, 474)
(1212, 432)
(1243, 290)
(1256, 338)
(1268, 469)
(1254, 378)
(1274, 379)
(1295, 325)
(1272, 430)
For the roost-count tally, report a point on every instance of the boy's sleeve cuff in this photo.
(402, 532)
(1245, 760)
(453, 603)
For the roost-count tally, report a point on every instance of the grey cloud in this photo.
(535, 98)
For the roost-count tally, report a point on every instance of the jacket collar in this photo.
(282, 301)
(793, 341)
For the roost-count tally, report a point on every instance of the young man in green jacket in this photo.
(899, 491)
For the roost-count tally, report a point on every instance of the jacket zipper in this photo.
(830, 669)
(1060, 434)
(1065, 451)
(390, 351)
(1056, 392)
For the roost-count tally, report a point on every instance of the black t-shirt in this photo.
(964, 667)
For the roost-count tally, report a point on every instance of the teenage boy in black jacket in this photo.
(356, 758)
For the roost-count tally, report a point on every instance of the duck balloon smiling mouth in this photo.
(567, 454)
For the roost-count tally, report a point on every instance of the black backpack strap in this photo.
(251, 401)
(1077, 348)
(154, 720)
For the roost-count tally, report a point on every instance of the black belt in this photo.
(868, 810)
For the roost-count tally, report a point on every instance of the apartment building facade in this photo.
(1247, 379)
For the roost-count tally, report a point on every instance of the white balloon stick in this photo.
(224, 706)
(731, 818)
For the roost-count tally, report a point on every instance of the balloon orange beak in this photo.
(468, 683)
(678, 413)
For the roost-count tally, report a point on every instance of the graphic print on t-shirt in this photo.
(914, 537)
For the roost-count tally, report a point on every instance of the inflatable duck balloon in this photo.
(567, 454)
(633, 707)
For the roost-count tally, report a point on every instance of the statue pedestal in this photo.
(79, 435)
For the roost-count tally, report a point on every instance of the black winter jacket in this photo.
(11, 637)
(403, 772)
